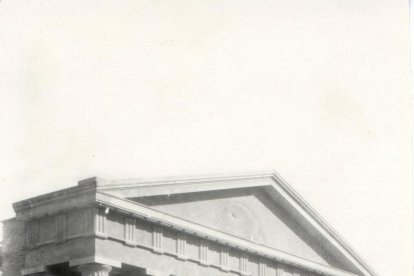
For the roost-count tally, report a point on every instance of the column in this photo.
(94, 269)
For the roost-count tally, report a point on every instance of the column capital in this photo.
(94, 269)
(95, 259)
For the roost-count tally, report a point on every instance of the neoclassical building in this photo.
(249, 225)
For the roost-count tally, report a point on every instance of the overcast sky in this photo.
(315, 89)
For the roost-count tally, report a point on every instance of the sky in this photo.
(316, 90)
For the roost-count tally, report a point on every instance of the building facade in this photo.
(249, 225)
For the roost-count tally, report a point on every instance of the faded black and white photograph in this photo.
(209, 138)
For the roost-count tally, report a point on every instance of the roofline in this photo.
(96, 183)
(325, 225)
(128, 182)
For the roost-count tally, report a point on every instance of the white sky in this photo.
(317, 90)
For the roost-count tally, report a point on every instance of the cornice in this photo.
(50, 197)
(54, 205)
(325, 228)
(105, 184)
(97, 183)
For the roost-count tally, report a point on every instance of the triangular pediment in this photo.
(260, 208)
(246, 213)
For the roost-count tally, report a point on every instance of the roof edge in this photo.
(321, 221)
(128, 182)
